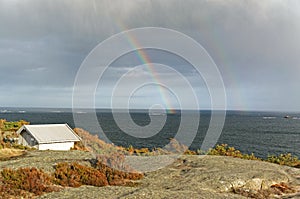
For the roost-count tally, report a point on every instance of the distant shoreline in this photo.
(143, 110)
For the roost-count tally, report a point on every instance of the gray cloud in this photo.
(255, 45)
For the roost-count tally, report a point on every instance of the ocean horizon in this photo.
(260, 132)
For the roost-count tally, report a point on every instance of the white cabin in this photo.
(48, 136)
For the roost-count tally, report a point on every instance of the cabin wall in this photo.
(64, 146)
(26, 139)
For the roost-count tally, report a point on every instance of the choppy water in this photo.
(262, 133)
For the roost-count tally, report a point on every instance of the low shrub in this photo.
(28, 179)
(29, 182)
(12, 126)
(285, 159)
(4, 145)
(190, 152)
(225, 150)
(137, 151)
(75, 175)
(113, 166)
(79, 146)
(7, 192)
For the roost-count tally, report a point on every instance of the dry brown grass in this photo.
(8, 153)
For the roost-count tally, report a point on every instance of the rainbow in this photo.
(145, 59)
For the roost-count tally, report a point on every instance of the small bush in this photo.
(285, 159)
(75, 175)
(115, 169)
(12, 126)
(28, 179)
(5, 144)
(7, 192)
(79, 146)
(225, 150)
(190, 152)
(29, 182)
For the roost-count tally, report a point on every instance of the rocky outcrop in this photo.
(220, 176)
(202, 177)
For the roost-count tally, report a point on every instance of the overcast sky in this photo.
(255, 45)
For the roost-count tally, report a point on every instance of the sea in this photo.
(261, 133)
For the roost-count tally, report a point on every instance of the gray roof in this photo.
(51, 133)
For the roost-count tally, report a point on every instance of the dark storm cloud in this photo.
(254, 43)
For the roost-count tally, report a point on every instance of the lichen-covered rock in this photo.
(219, 176)
(186, 177)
